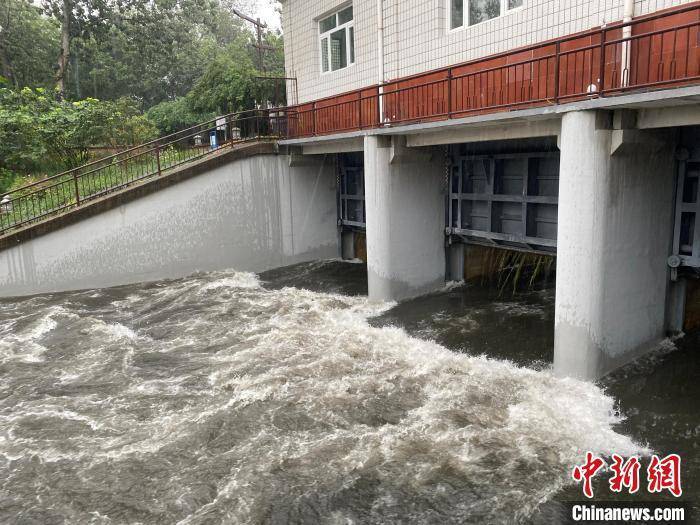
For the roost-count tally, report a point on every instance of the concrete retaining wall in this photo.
(250, 214)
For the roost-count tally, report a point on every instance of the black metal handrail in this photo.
(69, 189)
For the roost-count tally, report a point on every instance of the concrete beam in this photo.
(513, 130)
(669, 117)
(339, 146)
(624, 119)
(401, 154)
(297, 159)
(629, 141)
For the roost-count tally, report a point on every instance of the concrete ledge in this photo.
(135, 191)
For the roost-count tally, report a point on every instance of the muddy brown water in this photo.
(290, 398)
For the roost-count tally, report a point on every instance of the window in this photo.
(337, 40)
(478, 11)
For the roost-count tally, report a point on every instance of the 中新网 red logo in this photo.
(662, 474)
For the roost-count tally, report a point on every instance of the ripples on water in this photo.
(219, 399)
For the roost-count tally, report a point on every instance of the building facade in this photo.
(425, 35)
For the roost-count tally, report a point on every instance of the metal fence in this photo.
(95, 179)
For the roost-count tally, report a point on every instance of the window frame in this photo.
(351, 54)
(465, 14)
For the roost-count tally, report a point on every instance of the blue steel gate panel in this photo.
(505, 199)
(351, 195)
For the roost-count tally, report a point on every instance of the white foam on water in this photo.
(511, 308)
(237, 280)
(23, 345)
(111, 331)
(462, 410)
(304, 405)
(453, 285)
(50, 412)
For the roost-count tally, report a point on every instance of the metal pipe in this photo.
(627, 16)
(380, 56)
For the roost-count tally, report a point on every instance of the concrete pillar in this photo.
(615, 224)
(405, 219)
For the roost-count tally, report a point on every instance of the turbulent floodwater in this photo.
(231, 398)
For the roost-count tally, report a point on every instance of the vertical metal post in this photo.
(75, 185)
(601, 77)
(449, 93)
(313, 118)
(359, 109)
(379, 106)
(557, 65)
(158, 158)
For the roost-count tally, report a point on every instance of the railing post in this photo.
(557, 66)
(313, 118)
(75, 185)
(158, 157)
(379, 106)
(601, 77)
(359, 112)
(449, 93)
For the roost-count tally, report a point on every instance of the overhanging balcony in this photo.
(657, 51)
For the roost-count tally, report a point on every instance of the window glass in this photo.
(456, 13)
(352, 45)
(327, 24)
(324, 55)
(339, 50)
(481, 10)
(345, 16)
(337, 40)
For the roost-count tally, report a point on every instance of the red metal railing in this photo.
(56, 194)
(653, 51)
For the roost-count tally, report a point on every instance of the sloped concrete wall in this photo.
(251, 214)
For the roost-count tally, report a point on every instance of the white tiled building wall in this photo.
(416, 37)
(302, 50)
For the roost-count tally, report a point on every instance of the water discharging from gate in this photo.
(223, 398)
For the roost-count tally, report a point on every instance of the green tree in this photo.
(77, 19)
(40, 135)
(154, 51)
(28, 44)
(174, 115)
(227, 85)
